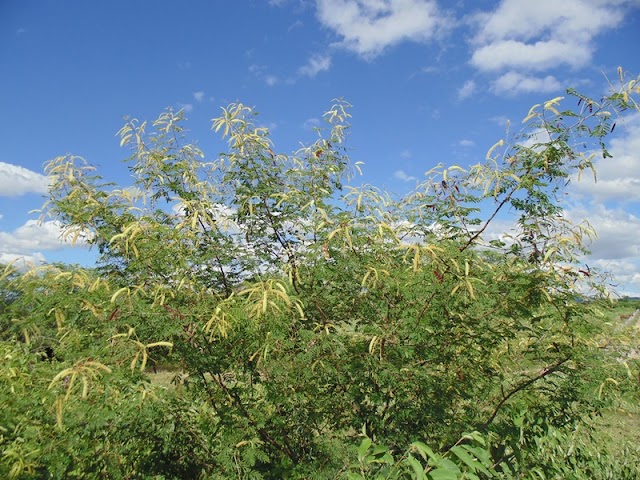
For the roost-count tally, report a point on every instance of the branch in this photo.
(523, 385)
(486, 224)
(264, 434)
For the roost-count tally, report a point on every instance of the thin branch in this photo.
(522, 386)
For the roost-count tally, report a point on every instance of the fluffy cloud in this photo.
(198, 96)
(569, 19)
(616, 249)
(537, 35)
(30, 237)
(625, 273)
(618, 178)
(28, 241)
(311, 123)
(524, 37)
(402, 175)
(271, 80)
(21, 261)
(467, 89)
(368, 27)
(262, 72)
(513, 83)
(16, 180)
(537, 56)
(315, 65)
(618, 231)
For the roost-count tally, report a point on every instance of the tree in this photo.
(306, 315)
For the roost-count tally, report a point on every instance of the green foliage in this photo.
(316, 329)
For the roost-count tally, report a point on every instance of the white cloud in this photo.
(406, 153)
(615, 250)
(500, 120)
(540, 55)
(316, 64)
(198, 96)
(618, 230)
(32, 236)
(311, 123)
(512, 83)
(368, 27)
(294, 25)
(538, 35)
(621, 189)
(618, 178)
(467, 89)
(501, 229)
(402, 175)
(431, 69)
(625, 274)
(566, 19)
(22, 262)
(466, 143)
(187, 107)
(535, 139)
(271, 80)
(28, 241)
(261, 72)
(518, 38)
(271, 126)
(16, 180)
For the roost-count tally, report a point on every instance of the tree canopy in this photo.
(315, 329)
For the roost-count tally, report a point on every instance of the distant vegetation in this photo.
(302, 328)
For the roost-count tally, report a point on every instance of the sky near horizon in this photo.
(430, 81)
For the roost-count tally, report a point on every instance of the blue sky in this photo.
(430, 81)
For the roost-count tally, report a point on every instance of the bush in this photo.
(317, 329)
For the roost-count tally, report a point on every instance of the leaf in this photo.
(443, 474)
(85, 387)
(134, 361)
(63, 373)
(97, 365)
(160, 344)
(425, 451)
(471, 462)
(119, 292)
(496, 145)
(59, 407)
(355, 476)
(372, 344)
(417, 467)
(470, 289)
(483, 456)
(362, 449)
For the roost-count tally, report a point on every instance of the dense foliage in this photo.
(316, 329)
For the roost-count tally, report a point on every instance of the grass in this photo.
(163, 378)
(621, 427)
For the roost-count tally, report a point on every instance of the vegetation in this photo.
(314, 329)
